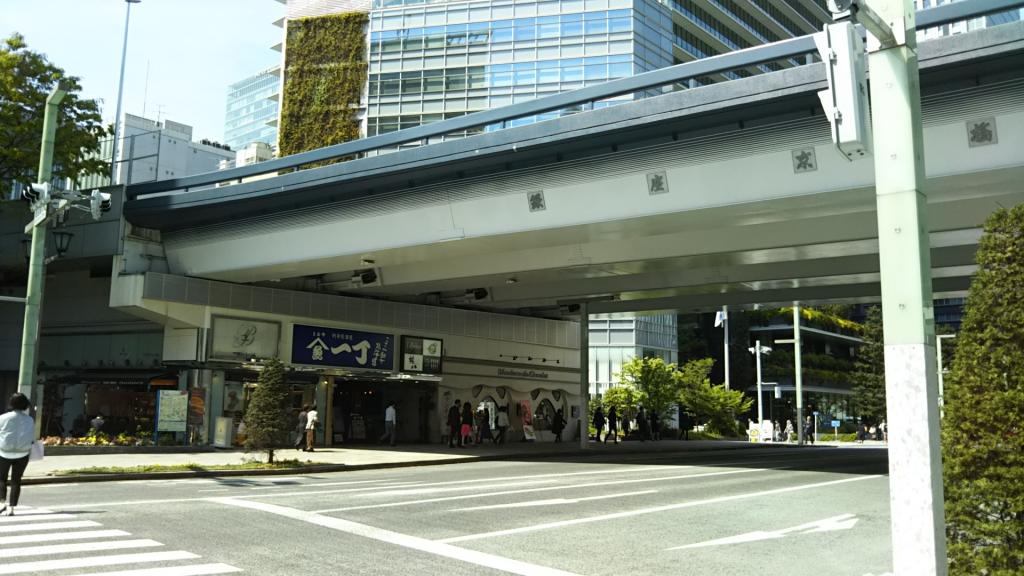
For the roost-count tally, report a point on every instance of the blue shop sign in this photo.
(320, 346)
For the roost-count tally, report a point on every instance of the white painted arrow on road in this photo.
(841, 522)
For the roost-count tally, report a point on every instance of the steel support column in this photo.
(584, 421)
(798, 376)
(915, 461)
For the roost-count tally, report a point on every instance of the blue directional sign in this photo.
(321, 346)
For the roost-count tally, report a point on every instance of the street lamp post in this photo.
(757, 350)
(120, 92)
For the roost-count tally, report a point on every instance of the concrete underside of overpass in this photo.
(738, 224)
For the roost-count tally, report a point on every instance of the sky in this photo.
(193, 48)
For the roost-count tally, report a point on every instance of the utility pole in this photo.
(757, 350)
(120, 91)
(798, 376)
(915, 458)
(725, 351)
(37, 255)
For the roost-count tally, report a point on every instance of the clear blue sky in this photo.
(194, 48)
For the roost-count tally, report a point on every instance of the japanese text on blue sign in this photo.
(322, 346)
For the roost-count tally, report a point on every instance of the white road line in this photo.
(542, 489)
(431, 547)
(215, 490)
(26, 511)
(48, 526)
(80, 547)
(552, 502)
(651, 510)
(83, 535)
(193, 570)
(19, 518)
(416, 491)
(381, 483)
(91, 561)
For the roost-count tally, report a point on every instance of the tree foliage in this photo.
(656, 382)
(266, 418)
(26, 79)
(983, 431)
(624, 397)
(869, 370)
(713, 404)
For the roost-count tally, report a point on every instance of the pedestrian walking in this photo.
(625, 425)
(502, 422)
(883, 428)
(809, 430)
(300, 428)
(685, 423)
(599, 421)
(17, 439)
(454, 421)
(558, 425)
(467, 423)
(777, 430)
(655, 426)
(789, 430)
(485, 427)
(390, 421)
(312, 418)
(613, 425)
(643, 424)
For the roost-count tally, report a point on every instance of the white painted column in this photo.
(915, 460)
(584, 421)
(725, 325)
(798, 376)
(760, 395)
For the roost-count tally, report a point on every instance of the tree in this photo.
(656, 381)
(266, 418)
(869, 370)
(623, 397)
(26, 79)
(715, 405)
(983, 430)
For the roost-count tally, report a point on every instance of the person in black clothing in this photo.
(599, 422)
(613, 425)
(625, 426)
(685, 423)
(453, 426)
(557, 425)
(643, 423)
(655, 426)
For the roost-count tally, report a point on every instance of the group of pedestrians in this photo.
(648, 424)
(466, 426)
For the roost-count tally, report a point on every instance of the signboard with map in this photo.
(172, 410)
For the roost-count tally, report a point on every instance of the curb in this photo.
(326, 468)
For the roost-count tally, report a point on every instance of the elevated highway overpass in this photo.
(725, 194)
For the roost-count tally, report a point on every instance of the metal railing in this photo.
(783, 49)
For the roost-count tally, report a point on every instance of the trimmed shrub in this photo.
(266, 418)
(982, 435)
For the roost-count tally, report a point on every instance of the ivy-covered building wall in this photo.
(325, 71)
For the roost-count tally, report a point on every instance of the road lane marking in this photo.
(93, 561)
(19, 517)
(83, 535)
(840, 522)
(553, 501)
(193, 570)
(49, 526)
(80, 547)
(422, 544)
(542, 489)
(651, 510)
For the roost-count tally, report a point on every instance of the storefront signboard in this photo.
(321, 346)
(172, 410)
(422, 355)
(241, 339)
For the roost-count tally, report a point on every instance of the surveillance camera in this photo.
(838, 7)
(36, 192)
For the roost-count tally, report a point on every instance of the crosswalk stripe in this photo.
(83, 535)
(33, 518)
(26, 511)
(48, 526)
(90, 561)
(79, 547)
(194, 570)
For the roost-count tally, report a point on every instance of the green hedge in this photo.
(325, 71)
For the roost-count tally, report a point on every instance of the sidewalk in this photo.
(349, 458)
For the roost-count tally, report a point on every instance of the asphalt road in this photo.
(775, 511)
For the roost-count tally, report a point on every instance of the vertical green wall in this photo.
(325, 71)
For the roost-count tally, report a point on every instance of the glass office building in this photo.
(251, 114)
(431, 61)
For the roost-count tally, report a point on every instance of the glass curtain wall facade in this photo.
(251, 114)
(614, 342)
(431, 62)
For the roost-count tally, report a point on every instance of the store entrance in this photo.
(359, 404)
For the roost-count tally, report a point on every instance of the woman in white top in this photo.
(17, 433)
(311, 421)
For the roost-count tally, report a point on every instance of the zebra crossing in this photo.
(40, 541)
